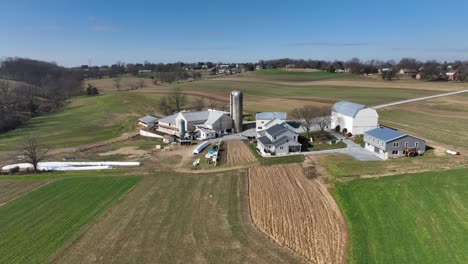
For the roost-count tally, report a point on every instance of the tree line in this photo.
(30, 87)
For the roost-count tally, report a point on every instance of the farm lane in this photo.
(419, 99)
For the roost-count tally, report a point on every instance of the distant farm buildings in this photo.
(389, 143)
(356, 118)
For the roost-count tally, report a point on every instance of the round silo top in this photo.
(236, 93)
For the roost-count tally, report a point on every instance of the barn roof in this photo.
(148, 119)
(213, 116)
(347, 108)
(169, 119)
(385, 134)
(270, 115)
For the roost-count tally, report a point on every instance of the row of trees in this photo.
(309, 116)
(177, 101)
(31, 87)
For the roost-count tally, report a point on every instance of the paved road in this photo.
(419, 99)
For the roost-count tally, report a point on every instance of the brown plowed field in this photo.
(297, 213)
(238, 153)
(12, 189)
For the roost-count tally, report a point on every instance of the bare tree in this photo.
(198, 103)
(305, 116)
(33, 152)
(177, 99)
(141, 83)
(323, 118)
(117, 83)
(213, 104)
(163, 106)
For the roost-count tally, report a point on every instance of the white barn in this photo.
(356, 118)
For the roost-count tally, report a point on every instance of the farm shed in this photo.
(148, 121)
(356, 118)
(389, 143)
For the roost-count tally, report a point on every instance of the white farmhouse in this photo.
(264, 118)
(356, 118)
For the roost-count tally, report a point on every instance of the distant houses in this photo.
(389, 143)
(355, 118)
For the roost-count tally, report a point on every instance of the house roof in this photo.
(284, 140)
(348, 108)
(265, 140)
(148, 119)
(385, 134)
(276, 130)
(270, 115)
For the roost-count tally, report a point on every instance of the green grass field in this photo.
(443, 120)
(341, 165)
(279, 74)
(412, 218)
(326, 93)
(85, 120)
(34, 226)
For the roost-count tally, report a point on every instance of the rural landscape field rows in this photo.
(12, 189)
(297, 213)
(238, 153)
(34, 226)
(177, 218)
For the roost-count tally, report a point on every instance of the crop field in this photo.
(297, 213)
(12, 189)
(288, 75)
(238, 153)
(411, 218)
(178, 218)
(35, 226)
(443, 120)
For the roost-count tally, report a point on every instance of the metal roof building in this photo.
(356, 118)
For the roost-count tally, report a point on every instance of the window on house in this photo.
(396, 144)
(274, 138)
(416, 144)
(406, 144)
(281, 147)
(259, 128)
(395, 152)
(383, 144)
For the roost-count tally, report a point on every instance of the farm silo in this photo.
(236, 108)
(181, 128)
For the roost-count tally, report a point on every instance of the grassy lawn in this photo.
(299, 158)
(320, 141)
(412, 218)
(57, 175)
(34, 226)
(341, 165)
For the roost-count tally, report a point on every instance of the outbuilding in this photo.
(356, 118)
(390, 143)
(148, 121)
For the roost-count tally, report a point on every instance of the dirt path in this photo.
(238, 153)
(298, 213)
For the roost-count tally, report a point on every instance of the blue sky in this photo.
(73, 32)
